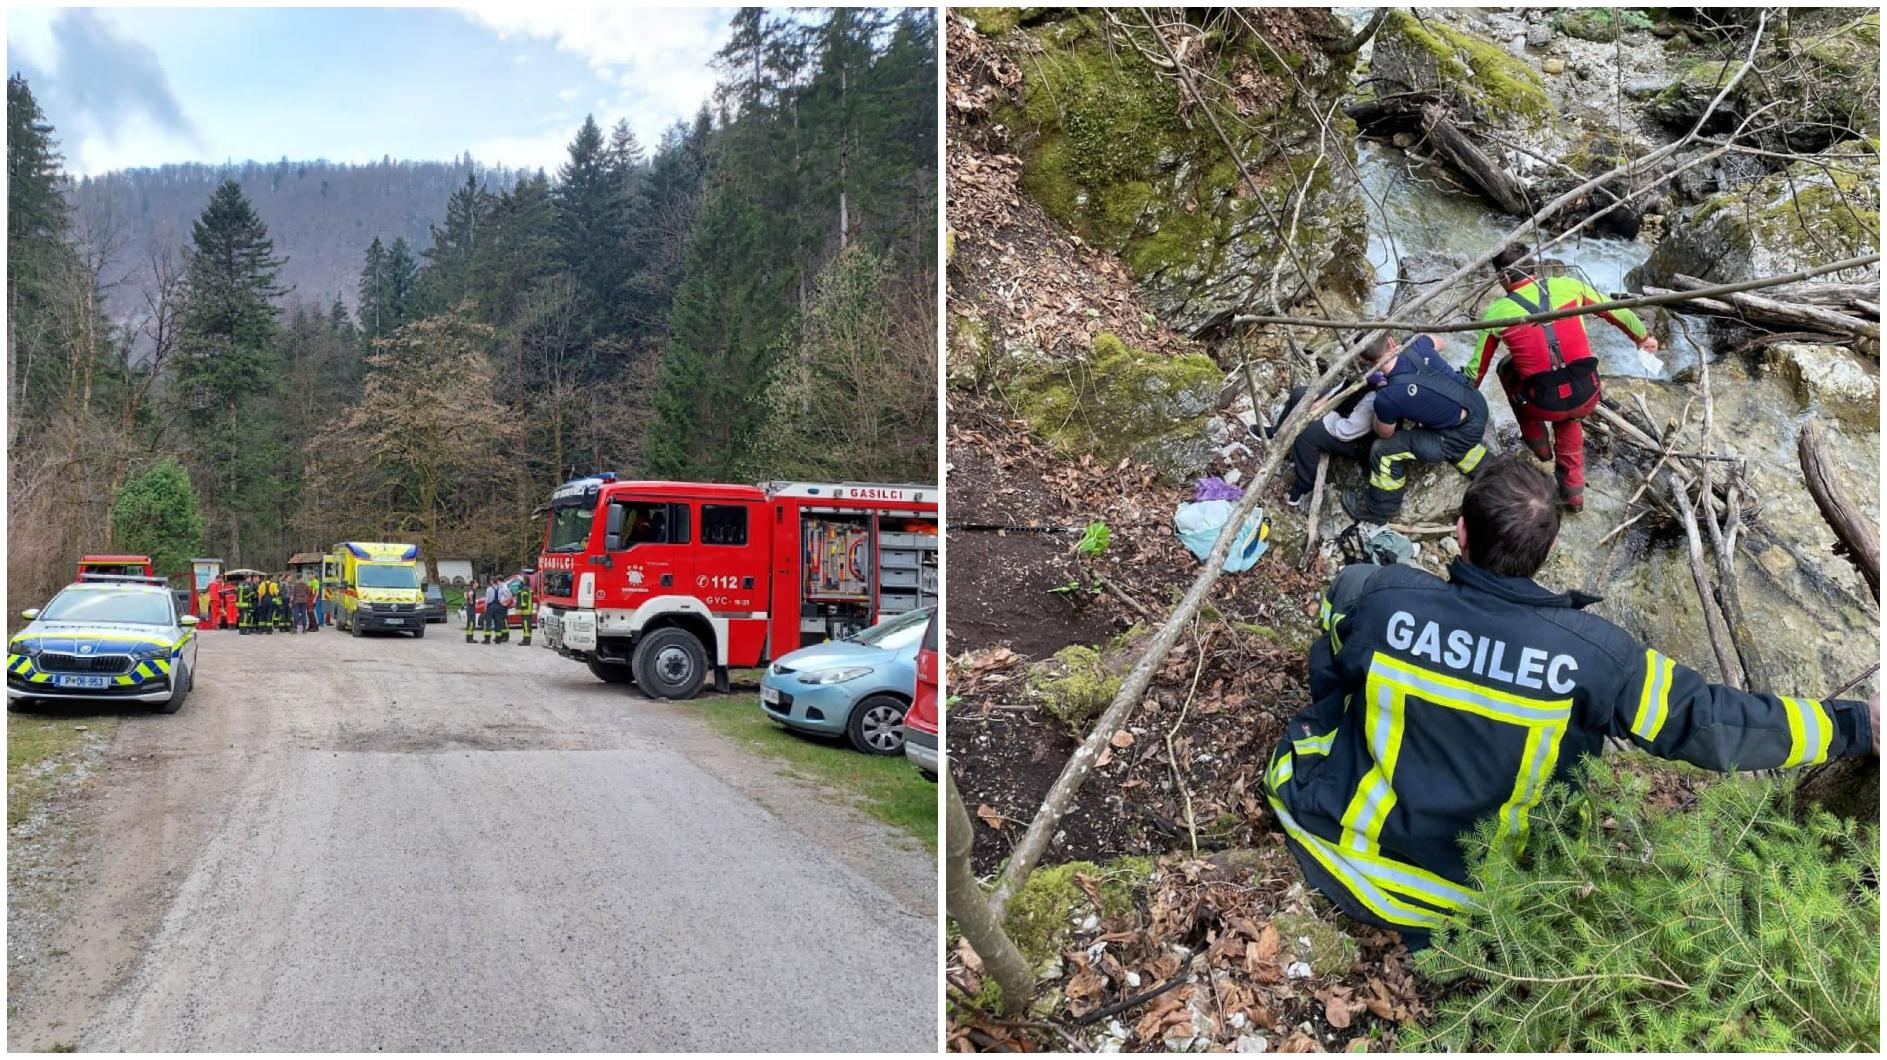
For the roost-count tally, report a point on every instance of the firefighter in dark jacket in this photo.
(246, 606)
(1437, 703)
(527, 605)
(1424, 412)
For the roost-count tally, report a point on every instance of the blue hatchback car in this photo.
(859, 686)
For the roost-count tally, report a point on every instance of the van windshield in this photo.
(569, 529)
(387, 576)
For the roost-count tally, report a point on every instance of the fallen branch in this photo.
(1727, 661)
(1857, 536)
(1668, 297)
(1787, 314)
(1061, 794)
(1507, 191)
(1313, 512)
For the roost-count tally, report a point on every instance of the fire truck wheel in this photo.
(613, 673)
(671, 663)
(876, 726)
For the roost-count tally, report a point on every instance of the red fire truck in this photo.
(667, 583)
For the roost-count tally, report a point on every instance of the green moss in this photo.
(1073, 685)
(1482, 72)
(1119, 400)
(1042, 913)
(992, 21)
(1317, 942)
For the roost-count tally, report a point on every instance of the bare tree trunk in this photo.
(1860, 540)
(967, 905)
(1507, 191)
(1787, 314)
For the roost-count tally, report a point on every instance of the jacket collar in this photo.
(1517, 590)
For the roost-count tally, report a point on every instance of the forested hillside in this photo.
(751, 297)
(325, 211)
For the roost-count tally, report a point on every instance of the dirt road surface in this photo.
(392, 843)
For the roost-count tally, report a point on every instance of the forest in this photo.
(750, 298)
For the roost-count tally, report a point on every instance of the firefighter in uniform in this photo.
(495, 628)
(266, 595)
(1424, 412)
(527, 606)
(471, 611)
(246, 606)
(1549, 374)
(1438, 703)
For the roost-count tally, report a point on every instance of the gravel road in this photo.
(398, 844)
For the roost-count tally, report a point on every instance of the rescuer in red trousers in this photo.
(1550, 374)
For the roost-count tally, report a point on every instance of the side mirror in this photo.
(30, 613)
(189, 620)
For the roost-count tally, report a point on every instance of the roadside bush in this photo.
(155, 514)
(1729, 924)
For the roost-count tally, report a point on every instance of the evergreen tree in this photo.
(227, 361)
(402, 282)
(37, 225)
(590, 230)
(451, 262)
(155, 514)
(375, 308)
(729, 320)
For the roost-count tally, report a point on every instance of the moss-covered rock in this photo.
(1598, 24)
(1107, 152)
(1124, 402)
(1425, 53)
(1801, 217)
(1041, 915)
(1078, 682)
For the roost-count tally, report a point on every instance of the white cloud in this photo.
(546, 150)
(662, 54)
(569, 94)
(29, 35)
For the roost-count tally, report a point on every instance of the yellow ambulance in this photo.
(379, 588)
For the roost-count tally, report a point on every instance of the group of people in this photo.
(267, 603)
(1437, 703)
(489, 603)
(1419, 409)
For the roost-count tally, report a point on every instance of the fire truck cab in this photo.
(667, 583)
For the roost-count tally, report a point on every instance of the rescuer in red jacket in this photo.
(1550, 374)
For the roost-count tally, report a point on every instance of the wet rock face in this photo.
(1109, 151)
(1802, 217)
(1831, 377)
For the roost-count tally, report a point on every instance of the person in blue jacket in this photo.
(1424, 412)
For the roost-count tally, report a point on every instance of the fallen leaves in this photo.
(989, 816)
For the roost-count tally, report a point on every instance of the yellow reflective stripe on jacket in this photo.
(1472, 459)
(1280, 771)
(1315, 745)
(1811, 730)
(1390, 682)
(1654, 699)
(1385, 477)
(1411, 880)
(1354, 879)
(1376, 794)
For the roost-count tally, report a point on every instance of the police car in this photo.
(116, 639)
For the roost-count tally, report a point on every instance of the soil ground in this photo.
(389, 843)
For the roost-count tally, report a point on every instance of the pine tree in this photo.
(590, 231)
(375, 310)
(402, 283)
(227, 361)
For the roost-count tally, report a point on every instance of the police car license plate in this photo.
(81, 681)
(769, 695)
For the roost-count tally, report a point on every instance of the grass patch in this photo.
(40, 751)
(887, 787)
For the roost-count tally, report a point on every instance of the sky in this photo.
(510, 84)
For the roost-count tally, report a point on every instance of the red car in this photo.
(920, 722)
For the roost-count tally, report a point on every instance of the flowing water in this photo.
(1808, 613)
